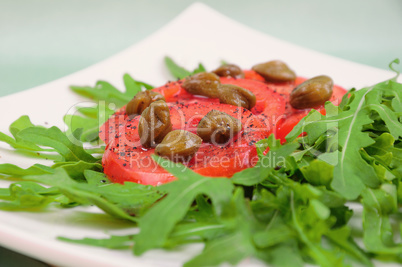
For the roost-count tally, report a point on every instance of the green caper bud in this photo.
(179, 146)
(218, 127)
(275, 71)
(237, 96)
(204, 83)
(312, 93)
(229, 70)
(154, 124)
(141, 101)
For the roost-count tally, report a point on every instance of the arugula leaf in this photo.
(341, 238)
(318, 173)
(311, 238)
(279, 255)
(133, 198)
(180, 194)
(55, 138)
(17, 142)
(200, 68)
(180, 72)
(237, 244)
(378, 233)
(113, 242)
(15, 171)
(76, 170)
(78, 192)
(105, 94)
(104, 91)
(28, 196)
(89, 124)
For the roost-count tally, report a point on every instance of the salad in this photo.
(293, 200)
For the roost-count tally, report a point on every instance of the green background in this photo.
(42, 40)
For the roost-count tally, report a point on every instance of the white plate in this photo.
(190, 38)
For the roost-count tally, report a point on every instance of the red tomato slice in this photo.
(126, 160)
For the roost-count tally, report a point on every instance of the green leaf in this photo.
(113, 242)
(80, 192)
(352, 172)
(386, 154)
(27, 196)
(71, 150)
(77, 169)
(229, 248)
(191, 230)
(104, 91)
(238, 243)
(133, 198)
(318, 172)
(199, 69)
(17, 126)
(311, 239)
(89, 124)
(179, 72)
(180, 194)
(342, 238)
(273, 236)
(387, 115)
(21, 123)
(176, 71)
(133, 87)
(378, 204)
(251, 176)
(15, 171)
(280, 256)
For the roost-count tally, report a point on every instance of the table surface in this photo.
(42, 40)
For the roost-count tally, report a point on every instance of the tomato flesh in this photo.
(126, 160)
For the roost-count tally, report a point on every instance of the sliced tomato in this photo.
(126, 160)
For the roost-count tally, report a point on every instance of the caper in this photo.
(237, 96)
(218, 127)
(179, 145)
(312, 93)
(154, 124)
(141, 101)
(204, 83)
(275, 71)
(229, 70)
